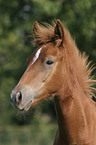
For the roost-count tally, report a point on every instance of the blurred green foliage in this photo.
(16, 21)
(39, 133)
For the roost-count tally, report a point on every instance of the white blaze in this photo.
(37, 55)
(35, 58)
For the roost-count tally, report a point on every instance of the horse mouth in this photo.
(26, 107)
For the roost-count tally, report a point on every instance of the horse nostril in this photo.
(18, 97)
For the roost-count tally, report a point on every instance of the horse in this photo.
(58, 70)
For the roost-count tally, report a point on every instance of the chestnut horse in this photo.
(57, 69)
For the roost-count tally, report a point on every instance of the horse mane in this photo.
(78, 62)
(45, 34)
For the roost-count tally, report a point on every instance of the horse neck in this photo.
(70, 104)
(71, 116)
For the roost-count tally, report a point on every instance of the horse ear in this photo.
(35, 28)
(59, 32)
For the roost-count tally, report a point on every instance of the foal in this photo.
(57, 69)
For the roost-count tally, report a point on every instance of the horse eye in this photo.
(49, 62)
